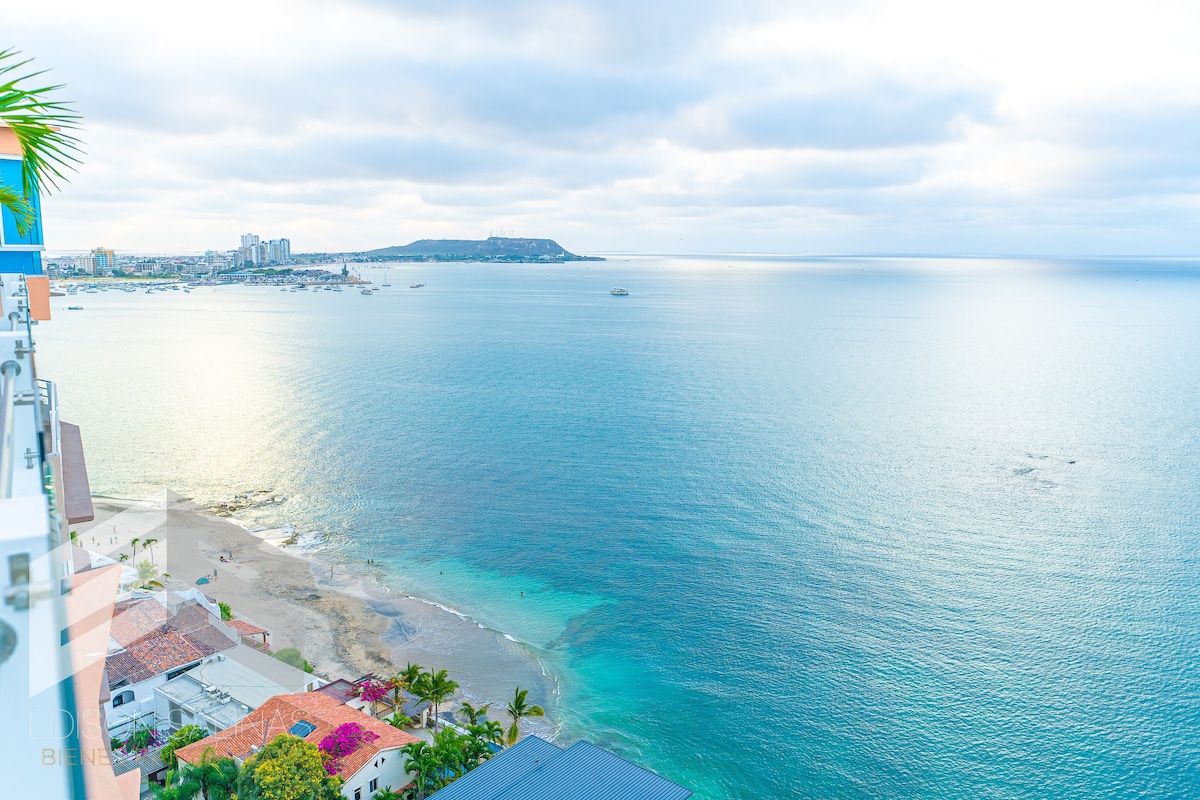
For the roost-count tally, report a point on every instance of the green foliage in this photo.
(216, 776)
(399, 720)
(519, 709)
(287, 769)
(386, 793)
(473, 714)
(290, 655)
(182, 790)
(40, 126)
(180, 738)
(435, 687)
(226, 611)
(451, 756)
(147, 575)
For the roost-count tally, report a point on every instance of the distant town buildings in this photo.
(101, 261)
(253, 251)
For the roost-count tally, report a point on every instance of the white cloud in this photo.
(930, 125)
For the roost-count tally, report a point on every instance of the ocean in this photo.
(828, 528)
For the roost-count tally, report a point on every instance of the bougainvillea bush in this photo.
(344, 740)
(373, 690)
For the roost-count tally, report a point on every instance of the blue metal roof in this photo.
(534, 769)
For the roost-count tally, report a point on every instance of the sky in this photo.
(1002, 127)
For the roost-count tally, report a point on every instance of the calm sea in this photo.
(784, 528)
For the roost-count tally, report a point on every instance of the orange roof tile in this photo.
(280, 713)
(246, 629)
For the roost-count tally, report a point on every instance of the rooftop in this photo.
(534, 769)
(226, 689)
(283, 714)
(165, 631)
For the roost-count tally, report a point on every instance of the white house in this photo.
(312, 716)
(155, 638)
(222, 690)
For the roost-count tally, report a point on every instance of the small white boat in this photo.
(619, 292)
(365, 291)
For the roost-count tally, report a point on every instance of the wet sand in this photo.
(346, 625)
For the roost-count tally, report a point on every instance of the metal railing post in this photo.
(9, 371)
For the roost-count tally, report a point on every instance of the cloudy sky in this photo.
(809, 126)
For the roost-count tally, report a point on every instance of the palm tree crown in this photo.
(519, 709)
(40, 126)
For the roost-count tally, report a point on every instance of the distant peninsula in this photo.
(494, 248)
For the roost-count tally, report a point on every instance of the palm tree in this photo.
(187, 790)
(405, 678)
(215, 776)
(436, 687)
(149, 543)
(134, 541)
(39, 125)
(398, 720)
(147, 575)
(519, 709)
(451, 751)
(424, 764)
(474, 714)
(478, 747)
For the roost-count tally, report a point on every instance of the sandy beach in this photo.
(345, 622)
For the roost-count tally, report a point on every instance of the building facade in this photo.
(19, 253)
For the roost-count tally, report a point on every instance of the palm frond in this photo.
(41, 126)
(22, 209)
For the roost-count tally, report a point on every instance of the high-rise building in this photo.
(249, 240)
(103, 261)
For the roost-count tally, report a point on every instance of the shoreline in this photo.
(346, 626)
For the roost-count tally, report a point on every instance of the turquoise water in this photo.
(785, 528)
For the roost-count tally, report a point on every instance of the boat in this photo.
(386, 285)
(365, 291)
(74, 308)
(619, 292)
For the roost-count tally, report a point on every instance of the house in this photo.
(411, 706)
(534, 769)
(312, 716)
(155, 638)
(219, 692)
(256, 637)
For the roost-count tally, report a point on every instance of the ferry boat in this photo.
(619, 292)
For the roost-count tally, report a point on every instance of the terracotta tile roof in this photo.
(280, 713)
(246, 629)
(156, 640)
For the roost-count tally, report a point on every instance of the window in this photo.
(374, 785)
(122, 699)
(358, 793)
(302, 728)
(173, 674)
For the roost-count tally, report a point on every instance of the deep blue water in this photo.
(852, 528)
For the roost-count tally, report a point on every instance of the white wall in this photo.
(389, 767)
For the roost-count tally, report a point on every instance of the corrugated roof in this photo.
(534, 769)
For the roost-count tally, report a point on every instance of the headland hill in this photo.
(494, 248)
